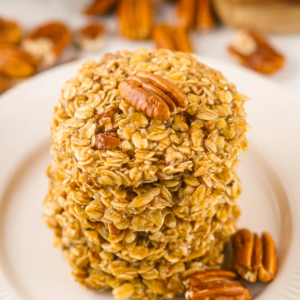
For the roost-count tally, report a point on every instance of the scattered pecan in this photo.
(16, 63)
(135, 18)
(152, 95)
(5, 83)
(10, 32)
(204, 17)
(100, 7)
(253, 51)
(106, 141)
(254, 257)
(91, 37)
(186, 10)
(195, 14)
(215, 285)
(47, 42)
(172, 38)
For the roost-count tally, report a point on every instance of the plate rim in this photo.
(292, 263)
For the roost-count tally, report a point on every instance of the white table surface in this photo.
(33, 12)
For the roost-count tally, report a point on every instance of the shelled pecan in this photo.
(215, 285)
(254, 257)
(5, 83)
(152, 94)
(186, 12)
(204, 15)
(173, 38)
(16, 63)
(106, 141)
(47, 42)
(135, 18)
(195, 14)
(253, 51)
(100, 7)
(91, 37)
(10, 32)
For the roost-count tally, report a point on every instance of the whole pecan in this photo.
(5, 83)
(253, 51)
(47, 42)
(91, 37)
(106, 141)
(10, 32)
(135, 18)
(186, 12)
(100, 7)
(195, 13)
(152, 94)
(172, 38)
(215, 285)
(254, 257)
(16, 63)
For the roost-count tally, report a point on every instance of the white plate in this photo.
(32, 269)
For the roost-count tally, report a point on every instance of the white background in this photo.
(31, 13)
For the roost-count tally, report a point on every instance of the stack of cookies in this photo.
(143, 185)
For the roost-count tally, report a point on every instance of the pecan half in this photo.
(253, 51)
(5, 83)
(186, 10)
(106, 141)
(47, 42)
(135, 18)
(195, 14)
(166, 86)
(10, 32)
(100, 7)
(172, 38)
(152, 94)
(215, 285)
(254, 257)
(204, 15)
(15, 63)
(91, 37)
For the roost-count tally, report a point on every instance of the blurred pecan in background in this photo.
(47, 42)
(172, 38)
(195, 14)
(186, 11)
(5, 83)
(215, 285)
(252, 50)
(135, 18)
(100, 7)
(254, 257)
(152, 94)
(91, 37)
(10, 32)
(16, 63)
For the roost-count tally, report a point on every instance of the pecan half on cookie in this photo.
(254, 257)
(215, 285)
(156, 96)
